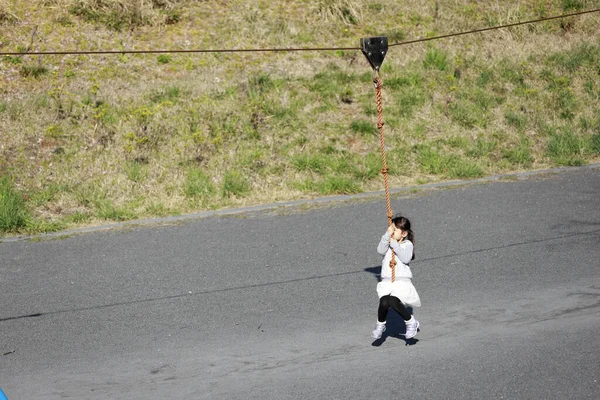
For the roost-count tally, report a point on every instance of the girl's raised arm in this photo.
(404, 250)
(384, 244)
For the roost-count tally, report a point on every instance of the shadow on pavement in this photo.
(395, 328)
(375, 271)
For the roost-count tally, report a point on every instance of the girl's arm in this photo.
(404, 250)
(384, 244)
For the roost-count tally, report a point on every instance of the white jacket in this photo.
(402, 286)
(404, 253)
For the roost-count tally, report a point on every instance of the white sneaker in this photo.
(378, 331)
(412, 325)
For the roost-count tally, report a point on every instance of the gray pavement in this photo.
(279, 304)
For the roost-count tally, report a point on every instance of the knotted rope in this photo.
(384, 168)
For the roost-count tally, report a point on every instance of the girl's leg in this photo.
(412, 325)
(399, 307)
(384, 305)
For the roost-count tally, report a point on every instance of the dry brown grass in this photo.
(348, 11)
(117, 136)
(123, 14)
(7, 14)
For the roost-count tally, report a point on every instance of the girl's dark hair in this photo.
(404, 224)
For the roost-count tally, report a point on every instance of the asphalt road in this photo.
(280, 304)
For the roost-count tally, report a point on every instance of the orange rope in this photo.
(384, 168)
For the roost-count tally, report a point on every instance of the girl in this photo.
(399, 240)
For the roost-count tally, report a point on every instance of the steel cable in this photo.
(292, 49)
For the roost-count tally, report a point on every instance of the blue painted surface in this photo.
(2, 395)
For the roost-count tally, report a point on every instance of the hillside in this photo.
(90, 138)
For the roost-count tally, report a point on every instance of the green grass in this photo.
(40, 225)
(433, 161)
(34, 71)
(519, 154)
(410, 79)
(408, 100)
(364, 127)
(485, 77)
(595, 143)
(367, 168)
(198, 184)
(313, 163)
(337, 185)
(163, 59)
(516, 119)
(435, 59)
(89, 139)
(585, 55)
(136, 171)
(106, 210)
(464, 169)
(468, 114)
(565, 148)
(573, 5)
(333, 85)
(77, 218)
(14, 214)
(167, 94)
(235, 183)
(482, 148)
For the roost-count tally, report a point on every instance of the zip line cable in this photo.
(494, 27)
(91, 52)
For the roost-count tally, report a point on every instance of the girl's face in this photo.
(399, 234)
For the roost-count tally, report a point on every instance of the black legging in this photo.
(390, 301)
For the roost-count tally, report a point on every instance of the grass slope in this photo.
(84, 139)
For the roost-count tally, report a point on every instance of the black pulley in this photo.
(375, 49)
